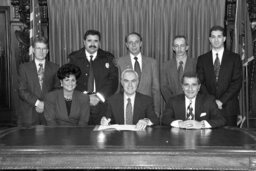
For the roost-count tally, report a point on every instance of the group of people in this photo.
(96, 88)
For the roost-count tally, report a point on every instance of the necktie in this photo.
(180, 70)
(129, 114)
(190, 115)
(137, 67)
(40, 74)
(217, 67)
(90, 85)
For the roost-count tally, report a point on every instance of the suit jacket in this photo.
(149, 81)
(56, 111)
(143, 108)
(29, 89)
(205, 104)
(229, 83)
(170, 83)
(104, 70)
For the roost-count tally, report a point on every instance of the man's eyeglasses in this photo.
(41, 49)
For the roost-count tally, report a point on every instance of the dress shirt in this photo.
(139, 56)
(37, 62)
(220, 55)
(99, 95)
(184, 60)
(175, 123)
(132, 97)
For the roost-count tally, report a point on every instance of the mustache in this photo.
(92, 46)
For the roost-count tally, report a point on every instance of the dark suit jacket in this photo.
(104, 70)
(175, 110)
(149, 81)
(56, 110)
(30, 91)
(143, 108)
(229, 83)
(170, 83)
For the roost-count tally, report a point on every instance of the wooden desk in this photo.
(155, 148)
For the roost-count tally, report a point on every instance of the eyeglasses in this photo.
(41, 49)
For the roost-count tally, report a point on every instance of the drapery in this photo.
(158, 21)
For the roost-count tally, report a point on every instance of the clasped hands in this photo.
(40, 107)
(141, 124)
(191, 124)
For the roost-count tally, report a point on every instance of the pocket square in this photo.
(202, 114)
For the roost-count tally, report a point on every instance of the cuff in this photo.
(37, 101)
(100, 96)
(206, 124)
(149, 123)
(175, 123)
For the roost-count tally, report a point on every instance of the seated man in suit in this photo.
(192, 110)
(130, 107)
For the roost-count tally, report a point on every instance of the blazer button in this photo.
(86, 74)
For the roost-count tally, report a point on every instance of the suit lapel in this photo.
(182, 107)
(223, 65)
(62, 104)
(34, 75)
(198, 106)
(120, 107)
(136, 108)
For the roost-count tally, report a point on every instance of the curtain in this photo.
(158, 21)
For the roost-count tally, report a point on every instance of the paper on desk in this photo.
(117, 127)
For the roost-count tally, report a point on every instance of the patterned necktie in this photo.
(190, 115)
(129, 115)
(217, 67)
(180, 70)
(90, 84)
(40, 74)
(137, 67)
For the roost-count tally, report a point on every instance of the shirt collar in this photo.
(88, 55)
(220, 54)
(132, 97)
(37, 62)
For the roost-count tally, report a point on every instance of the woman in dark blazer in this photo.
(67, 106)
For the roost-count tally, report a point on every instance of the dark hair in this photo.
(40, 40)
(67, 70)
(217, 28)
(92, 32)
(179, 37)
(135, 33)
(190, 75)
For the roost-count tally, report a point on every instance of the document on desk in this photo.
(117, 127)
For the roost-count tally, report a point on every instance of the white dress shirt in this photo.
(220, 54)
(139, 56)
(175, 123)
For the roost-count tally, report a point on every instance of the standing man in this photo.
(99, 78)
(174, 69)
(36, 78)
(192, 110)
(130, 107)
(220, 72)
(146, 68)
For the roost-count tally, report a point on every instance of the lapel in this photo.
(119, 104)
(34, 75)
(181, 109)
(74, 104)
(198, 106)
(62, 105)
(223, 66)
(210, 68)
(136, 108)
(128, 62)
(46, 75)
(144, 69)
